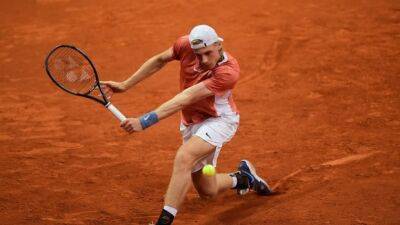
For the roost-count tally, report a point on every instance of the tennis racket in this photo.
(72, 71)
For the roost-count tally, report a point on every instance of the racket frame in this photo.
(86, 95)
(105, 103)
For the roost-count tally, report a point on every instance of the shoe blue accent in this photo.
(256, 183)
(245, 170)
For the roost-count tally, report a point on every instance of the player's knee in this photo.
(183, 160)
(208, 193)
(206, 190)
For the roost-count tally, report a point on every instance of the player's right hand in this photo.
(115, 87)
(131, 125)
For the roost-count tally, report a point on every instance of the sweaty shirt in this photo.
(220, 80)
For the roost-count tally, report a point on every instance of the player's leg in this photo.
(216, 131)
(186, 157)
(244, 180)
(209, 187)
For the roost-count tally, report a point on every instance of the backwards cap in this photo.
(202, 36)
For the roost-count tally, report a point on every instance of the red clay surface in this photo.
(319, 100)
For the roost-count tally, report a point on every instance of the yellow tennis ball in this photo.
(208, 170)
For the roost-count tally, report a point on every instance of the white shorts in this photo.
(216, 131)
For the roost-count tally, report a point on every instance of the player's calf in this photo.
(205, 186)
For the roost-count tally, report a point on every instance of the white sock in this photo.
(171, 210)
(234, 181)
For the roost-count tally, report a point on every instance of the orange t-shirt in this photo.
(220, 80)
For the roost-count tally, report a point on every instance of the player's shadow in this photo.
(240, 207)
(248, 206)
(251, 204)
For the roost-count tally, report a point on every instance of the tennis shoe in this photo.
(256, 183)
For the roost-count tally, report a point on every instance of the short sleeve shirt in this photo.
(220, 80)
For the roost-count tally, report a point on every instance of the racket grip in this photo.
(115, 112)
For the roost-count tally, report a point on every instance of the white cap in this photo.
(202, 36)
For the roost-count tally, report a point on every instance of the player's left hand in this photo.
(131, 125)
(107, 91)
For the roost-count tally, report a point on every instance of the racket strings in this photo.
(70, 69)
(70, 80)
(74, 73)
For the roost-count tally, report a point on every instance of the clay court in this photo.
(318, 95)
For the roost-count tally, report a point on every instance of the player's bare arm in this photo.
(185, 98)
(148, 68)
(181, 100)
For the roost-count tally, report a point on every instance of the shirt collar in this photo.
(224, 60)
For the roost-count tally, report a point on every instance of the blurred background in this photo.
(318, 95)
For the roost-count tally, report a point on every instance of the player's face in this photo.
(208, 56)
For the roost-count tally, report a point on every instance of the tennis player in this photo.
(209, 117)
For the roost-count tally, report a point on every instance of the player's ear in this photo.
(218, 45)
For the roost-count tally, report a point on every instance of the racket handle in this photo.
(116, 112)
